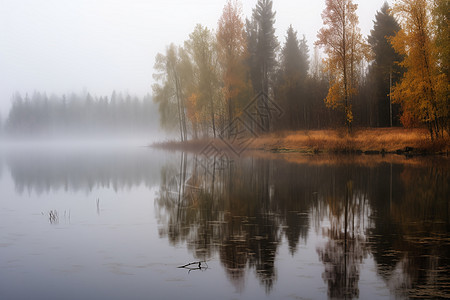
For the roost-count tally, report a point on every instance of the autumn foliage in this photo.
(400, 73)
(424, 89)
(346, 49)
(232, 52)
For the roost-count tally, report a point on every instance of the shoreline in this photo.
(377, 141)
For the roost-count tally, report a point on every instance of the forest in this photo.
(397, 76)
(240, 77)
(80, 114)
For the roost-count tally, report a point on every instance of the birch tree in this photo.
(168, 91)
(344, 45)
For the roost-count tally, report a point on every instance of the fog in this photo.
(46, 168)
(100, 46)
(67, 121)
(79, 143)
(83, 141)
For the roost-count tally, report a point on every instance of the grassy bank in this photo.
(368, 141)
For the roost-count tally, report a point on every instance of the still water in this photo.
(121, 224)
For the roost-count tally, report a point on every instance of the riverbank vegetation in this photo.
(240, 80)
(367, 141)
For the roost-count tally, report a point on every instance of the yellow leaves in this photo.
(191, 107)
(344, 45)
(232, 51)
(349, 114)
(423, 91)
(335, 95)
(398, 42)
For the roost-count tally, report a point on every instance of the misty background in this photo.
(57, 51)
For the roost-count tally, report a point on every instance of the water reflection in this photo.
(223, 210)
(1, 167)
(243, 210)
(410, 240)
(347, 212)
(43, 171)
(243, 213)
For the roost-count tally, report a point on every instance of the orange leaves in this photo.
(423, 91)
(335, 95)
(230, 31)
(191, 107)
(232, 51)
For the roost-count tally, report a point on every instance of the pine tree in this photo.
(294, 67)
(385, 70)
(263, 46)
(266, 44)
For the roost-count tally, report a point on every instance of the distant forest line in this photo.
(81, 114)
(397, 76)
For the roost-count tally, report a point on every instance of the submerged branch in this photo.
(198, 265)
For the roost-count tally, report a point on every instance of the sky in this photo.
(63, 46)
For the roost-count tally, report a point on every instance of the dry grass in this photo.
(369, 141)
(361, 140)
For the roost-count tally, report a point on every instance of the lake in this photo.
(139, 223)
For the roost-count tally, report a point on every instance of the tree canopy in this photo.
(345, 48)
(216, 76)
(423, 90)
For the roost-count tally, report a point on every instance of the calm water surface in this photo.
(118, 224)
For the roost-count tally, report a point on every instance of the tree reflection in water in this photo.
(411, 240)
(220, 208)
(242, 210)
(43, 171)
(346, 246)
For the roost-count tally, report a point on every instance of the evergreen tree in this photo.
(263, 31)
(262, 46)
(385, 70)
(84, 114)
(292, 79)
